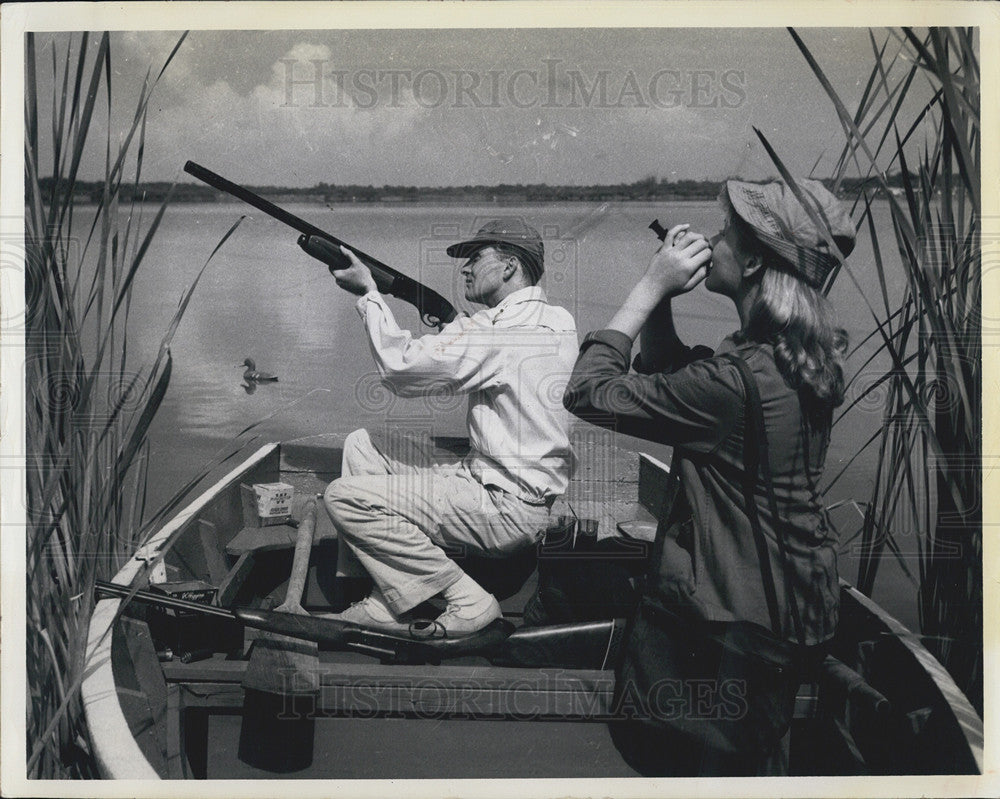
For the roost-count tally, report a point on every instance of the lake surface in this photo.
(262, 297)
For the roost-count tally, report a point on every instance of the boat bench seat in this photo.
(262, 539)
(279, 536)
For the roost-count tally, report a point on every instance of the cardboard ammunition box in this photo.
(189, 631)
(265, 504)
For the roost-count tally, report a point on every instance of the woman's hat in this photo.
(783, 225)
(512, 231)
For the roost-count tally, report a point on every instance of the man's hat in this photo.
(511, 231)
(784, 226)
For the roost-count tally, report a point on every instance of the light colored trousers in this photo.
(399, 507)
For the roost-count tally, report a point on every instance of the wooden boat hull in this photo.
(884, 706)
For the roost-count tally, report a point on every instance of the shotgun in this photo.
(435, 310)
(420, 646)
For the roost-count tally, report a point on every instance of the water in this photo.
(264, 298)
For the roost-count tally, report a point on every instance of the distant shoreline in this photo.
(284, 201)
(647, 190)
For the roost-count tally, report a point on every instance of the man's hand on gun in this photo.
(679, 265)
(357, 278)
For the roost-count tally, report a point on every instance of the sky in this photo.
(457, 107)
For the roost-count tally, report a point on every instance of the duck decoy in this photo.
(251, 375)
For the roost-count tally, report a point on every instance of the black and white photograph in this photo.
(498, 398)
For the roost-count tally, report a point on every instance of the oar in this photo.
(281, 683)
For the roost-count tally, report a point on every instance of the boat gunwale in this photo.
(966, 718)
(117, 753)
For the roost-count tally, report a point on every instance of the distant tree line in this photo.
(647, 189)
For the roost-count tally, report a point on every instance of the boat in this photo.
(163, 696)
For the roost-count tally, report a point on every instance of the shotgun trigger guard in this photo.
(431, 320)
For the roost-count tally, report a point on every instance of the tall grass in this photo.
(88, 409)
(928, 448)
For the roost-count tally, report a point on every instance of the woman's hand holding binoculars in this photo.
(679, 265)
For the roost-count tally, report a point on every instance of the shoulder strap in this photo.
(756, 460)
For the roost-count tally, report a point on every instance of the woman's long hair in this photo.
(798, 321)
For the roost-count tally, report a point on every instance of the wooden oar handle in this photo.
(300, 561)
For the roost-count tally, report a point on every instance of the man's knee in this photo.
(335, 499)
(360, 453)
(359, 438)
(351, 499)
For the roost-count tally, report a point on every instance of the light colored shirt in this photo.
(514, 361)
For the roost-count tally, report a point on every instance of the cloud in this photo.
(453, 107)
(279, 133)
(315, 114)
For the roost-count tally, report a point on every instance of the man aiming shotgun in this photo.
(395, 508)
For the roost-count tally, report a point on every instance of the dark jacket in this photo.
(708, 561)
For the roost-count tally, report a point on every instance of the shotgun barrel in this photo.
(434, 309)
(310, 628)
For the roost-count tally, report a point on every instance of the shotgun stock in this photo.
(435, 310)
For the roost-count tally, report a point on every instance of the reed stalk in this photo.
(88, 408)
(926, 503)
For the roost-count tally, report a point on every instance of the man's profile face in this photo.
(483, 274)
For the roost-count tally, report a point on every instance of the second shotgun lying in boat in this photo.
(434, 309)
